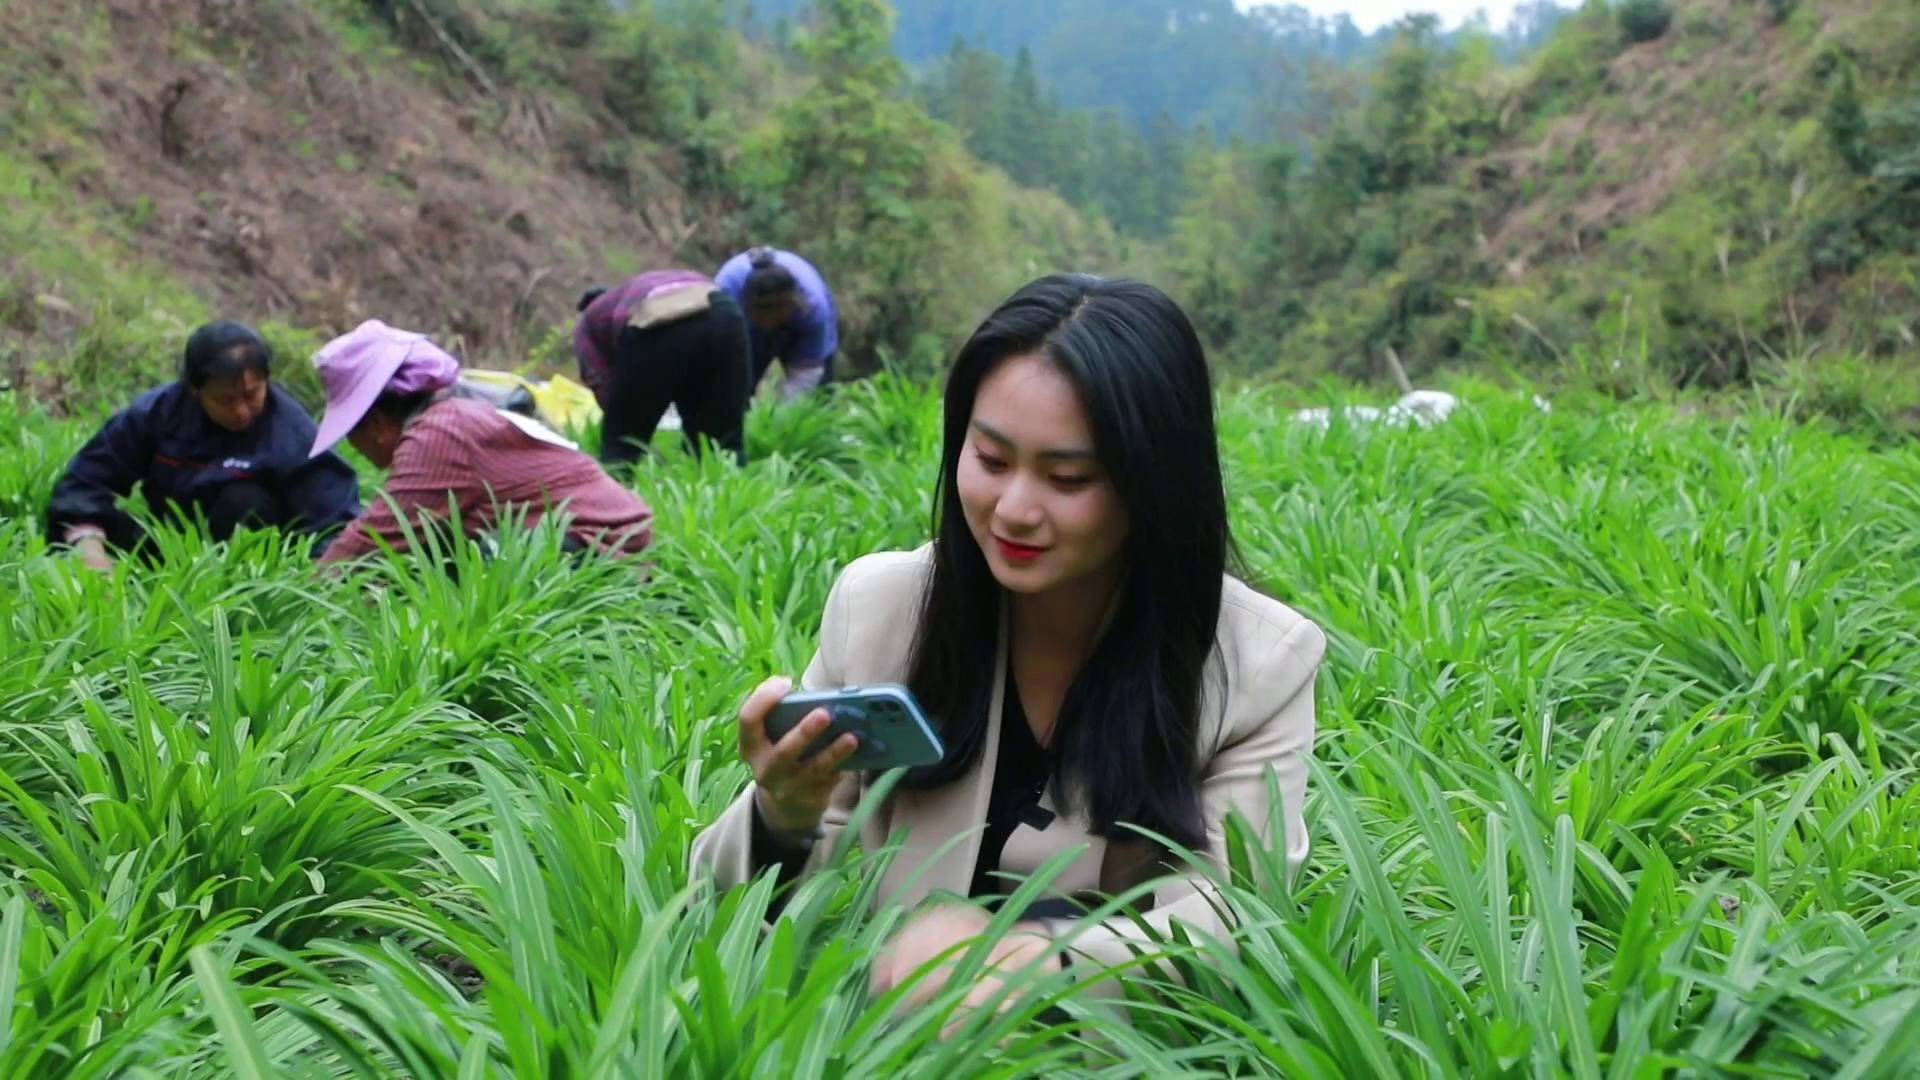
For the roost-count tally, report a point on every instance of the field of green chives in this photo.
(1615, 777)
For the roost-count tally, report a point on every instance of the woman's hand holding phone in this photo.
(792, 789)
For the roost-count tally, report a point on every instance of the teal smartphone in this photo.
(892, 729)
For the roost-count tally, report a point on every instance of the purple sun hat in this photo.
(373, 359)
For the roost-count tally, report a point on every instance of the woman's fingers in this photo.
(935, 983)
(927, 949)
(919, 965)
(786, 761)
(927, 978)
(983, 991)
(753, 716)
(794, 789)
(883, 977)
(823, 768)
(788, 757)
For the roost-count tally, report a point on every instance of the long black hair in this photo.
(1126, 738)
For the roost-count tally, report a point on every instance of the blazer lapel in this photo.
(935, 818)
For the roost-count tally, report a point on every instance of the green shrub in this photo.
(1644, 20)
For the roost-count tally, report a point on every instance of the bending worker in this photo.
(666, 337)
(389, 393)
(791, 314)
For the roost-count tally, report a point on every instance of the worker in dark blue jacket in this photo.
(223, 444)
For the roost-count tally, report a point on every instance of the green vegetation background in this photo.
(1615, 776)
(1643, 200)
(1619, 720)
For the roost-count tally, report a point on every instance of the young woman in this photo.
(665, 337)
(389, 393)
(222, 443)
(791, 315)
(1089, 661)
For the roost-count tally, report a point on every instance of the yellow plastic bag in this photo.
(566, 403)
(563, 403)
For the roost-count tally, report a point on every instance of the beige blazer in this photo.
(1257, 716)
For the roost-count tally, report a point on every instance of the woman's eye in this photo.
(989, 462)
(1071, 481)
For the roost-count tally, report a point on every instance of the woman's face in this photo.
(234, 403)
(376, 436)
(1036, 500)
(772, 313)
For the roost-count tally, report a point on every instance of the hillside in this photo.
(1719, 154)
(1733, 200)
(466, 167)
(254, 160)
(1726, 198)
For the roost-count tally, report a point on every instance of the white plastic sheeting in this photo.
(1419, 408)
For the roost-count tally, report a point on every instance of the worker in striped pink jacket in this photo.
(388, 395)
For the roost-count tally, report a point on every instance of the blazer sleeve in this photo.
(724, 850)
(104, 470)
(1281, 691)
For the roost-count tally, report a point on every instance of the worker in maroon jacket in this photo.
(665, 337)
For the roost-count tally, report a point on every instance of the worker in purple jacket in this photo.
(665, 337)
(791, 312)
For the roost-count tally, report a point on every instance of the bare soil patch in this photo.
(282, 175)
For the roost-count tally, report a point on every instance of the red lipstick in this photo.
(1018, 553)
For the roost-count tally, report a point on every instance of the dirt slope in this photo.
(1695, 185)
(1657, 120)
(278, 169)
